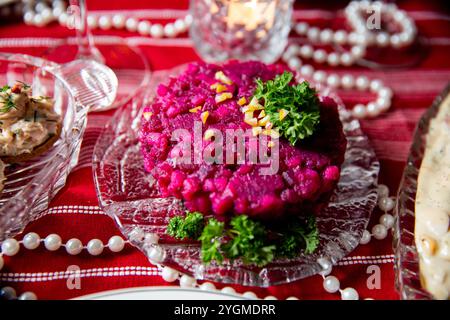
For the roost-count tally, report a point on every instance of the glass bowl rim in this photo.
(406, 259)
(33, 189)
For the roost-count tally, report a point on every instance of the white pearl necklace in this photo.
(156, 253)
(360, 38)
(53, 242)
(331, 284)
(41, 14)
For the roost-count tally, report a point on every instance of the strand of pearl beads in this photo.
(360, 38)
(348, 81)
(156, 256)
(41, 14)
(330, 283)
(53, 242)
(386, 221)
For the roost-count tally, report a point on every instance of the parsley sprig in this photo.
(211, 240)
(248, 241)
(245, 239)
(189, 227)
(299, 100)
(299, 235)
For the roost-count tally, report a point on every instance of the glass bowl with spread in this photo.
(421, 231)
(43, 113)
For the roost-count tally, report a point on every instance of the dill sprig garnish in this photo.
(8, 103)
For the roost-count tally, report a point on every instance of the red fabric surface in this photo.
(415, 88)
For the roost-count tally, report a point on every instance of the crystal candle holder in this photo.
(240, 29)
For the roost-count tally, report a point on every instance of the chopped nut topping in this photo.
(242, 101)
(245, 109)
(255, 105)
(283, 113)
(248, 115)
(262, 114)
(223, 78)
(221, 88)
(195, 110)
(204, 116)
(264, 121)
(214, 85)
(223, 96)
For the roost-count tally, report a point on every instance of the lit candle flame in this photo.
(251, 14)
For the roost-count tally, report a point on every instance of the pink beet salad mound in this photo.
(215, 96)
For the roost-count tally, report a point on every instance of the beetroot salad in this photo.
(208, 98)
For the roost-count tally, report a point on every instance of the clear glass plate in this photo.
(406, 256)
(30, 185)
(129, 195)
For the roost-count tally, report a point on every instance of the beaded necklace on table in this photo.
(53, 242)
(360, 38)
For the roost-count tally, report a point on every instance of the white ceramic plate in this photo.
(160, 293)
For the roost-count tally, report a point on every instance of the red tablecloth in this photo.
(75, 212)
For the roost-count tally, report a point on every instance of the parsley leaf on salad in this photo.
(245, 239)
(188, 228)
(248, 240)
(299, 102)
(299, 236)
(211, 241)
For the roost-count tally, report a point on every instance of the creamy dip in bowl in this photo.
(432, 233)
(421, 231)
(58, 103)
(29, 124)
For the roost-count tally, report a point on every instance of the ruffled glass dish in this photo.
(127, 61)
(406, 256)
(30, 185)
(129, 195)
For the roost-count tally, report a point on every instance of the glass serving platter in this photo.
(406, 257)
(129, 195)
(30, 185)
